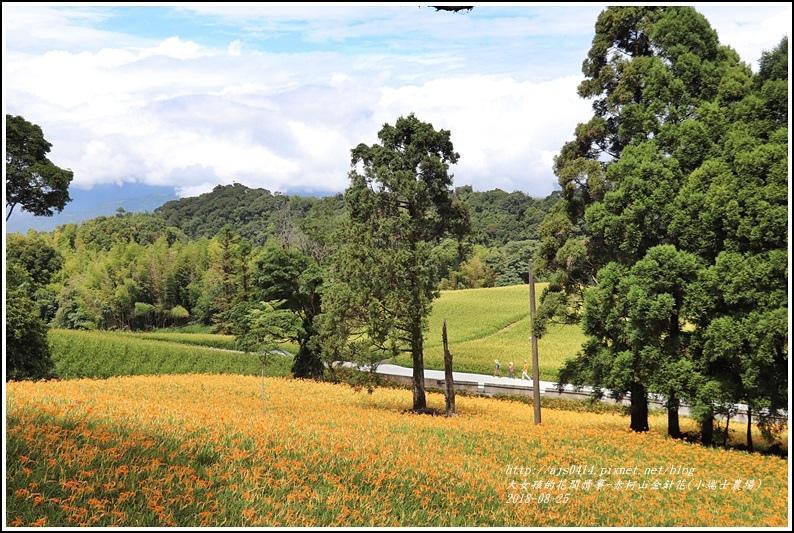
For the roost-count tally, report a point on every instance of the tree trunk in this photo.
(263, 386)
(448, 380)
(727, 423)
(707, 429)
(639, 408)
(534, 343)
(420, 401)
(749, 429)
(673, 427)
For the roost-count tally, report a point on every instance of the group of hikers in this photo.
(498, 370)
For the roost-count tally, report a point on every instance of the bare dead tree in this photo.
(450, 384)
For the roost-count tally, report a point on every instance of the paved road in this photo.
(516, 386)
(523, 386)
(394, 370)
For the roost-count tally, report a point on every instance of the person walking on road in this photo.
(498, 368)
(512, 370)
(525, 371)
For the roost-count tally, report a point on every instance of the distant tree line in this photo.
(158, 259)
(498, 217)
(195, 259)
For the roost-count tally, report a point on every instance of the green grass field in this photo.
(103, 354)
(210, 340)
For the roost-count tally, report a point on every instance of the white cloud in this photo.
(339, 78)
(235, 48)
(277, 95)
(502, 128)
(176, 48)
(37, 28)
(750, 29)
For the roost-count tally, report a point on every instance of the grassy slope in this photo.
(493, 323)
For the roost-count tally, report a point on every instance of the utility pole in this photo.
(534, 339)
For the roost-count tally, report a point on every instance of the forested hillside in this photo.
(256, 214)
(182, 262)
(504, 227)
(498, 217)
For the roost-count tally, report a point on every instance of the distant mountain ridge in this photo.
(101, 200)
(498, 217)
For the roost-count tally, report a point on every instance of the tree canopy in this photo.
(382, 279)
(33, 182)
(296, 280)
(673, 211)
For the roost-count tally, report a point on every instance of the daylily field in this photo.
(198, 450)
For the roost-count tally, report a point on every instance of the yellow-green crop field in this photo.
(103, 354)
(211, 340)
(200, 450)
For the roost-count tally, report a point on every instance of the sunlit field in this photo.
(200, 450)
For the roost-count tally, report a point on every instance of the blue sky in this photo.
(273, 95)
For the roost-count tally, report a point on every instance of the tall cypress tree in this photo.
(662, 172)
(383, 278)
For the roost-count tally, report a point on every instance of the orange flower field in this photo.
(197, 450)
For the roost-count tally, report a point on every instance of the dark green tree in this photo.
(739, 200)
(635, 322)
(232, 271)
(683, 151)
(27, 350)
(41, 261)
(295, 279)
(383, 278)
(33, 182)
(35, 255)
